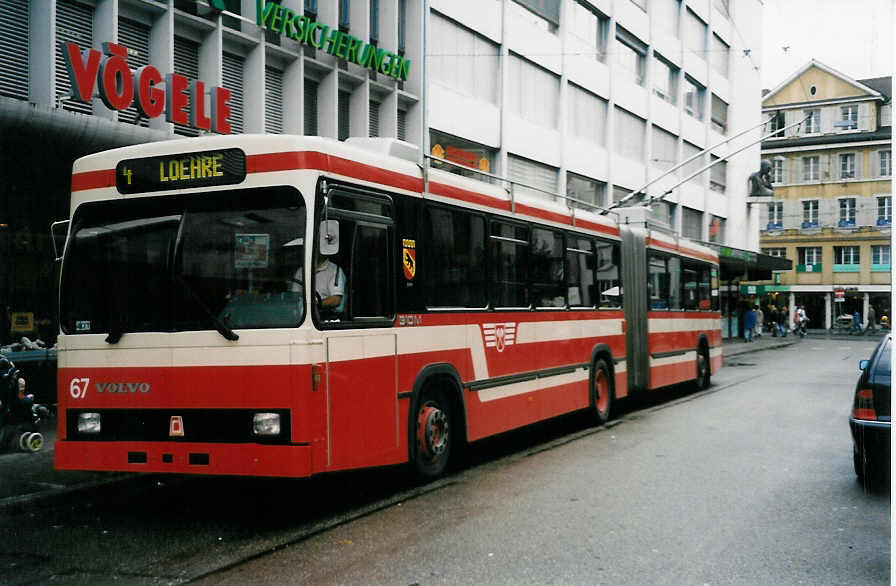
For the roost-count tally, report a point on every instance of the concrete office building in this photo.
(585, 98)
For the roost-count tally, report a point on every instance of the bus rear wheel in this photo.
(601, 393)
(434, 436)
(703, 372)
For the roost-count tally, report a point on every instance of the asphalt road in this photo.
(750, 482)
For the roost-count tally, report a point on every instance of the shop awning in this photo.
(747, 265)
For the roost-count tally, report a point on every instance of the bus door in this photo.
(635, 304)
(360, 354)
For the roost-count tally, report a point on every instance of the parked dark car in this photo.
(870, 418)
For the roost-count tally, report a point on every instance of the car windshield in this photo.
(219, 261)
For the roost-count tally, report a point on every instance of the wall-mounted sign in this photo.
(181, 171)
(182, 99)
(298, 27)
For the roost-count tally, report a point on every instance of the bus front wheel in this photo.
(434, 435)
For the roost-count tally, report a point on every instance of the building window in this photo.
(884, 210)
(886, 163)
(694, 97)
(470, 66)
(665, 79)
(880, 256)
(402, 25)
(775, 215)
(691, 223)
(717, 229)
(373, 118)
(810, 213)
(813, 124)
(533, 92)
(467, 155)
(776, 252)
(309, 110)
(544, 14)
(629, 133)
(374, 20)
(777, 124)
(591, 28)
(587, 115)
(846, 255)
(689, 150)
(809, 255)
(273, 100)
(345, 9)
(849, 117)
(847, 211)
(719, 115)
(719, 56)
(667, 14)
(695, 33)
(311, 8)
(777, 170)
(665, 149)
(585, 193)
(631, 56)
(718, 174)
(343, 114)
(542, 178)
(847, 166)
(810, 168)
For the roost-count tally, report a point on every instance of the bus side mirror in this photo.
(329, 237)
(58, 233)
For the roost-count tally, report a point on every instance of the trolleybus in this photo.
(288, 306)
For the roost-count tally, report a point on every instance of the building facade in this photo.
(832, 208)
(579, 99)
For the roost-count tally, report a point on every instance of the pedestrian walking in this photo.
(760, 319)
(872, 320)
(773, 320)
(856, 323)
(749, 324)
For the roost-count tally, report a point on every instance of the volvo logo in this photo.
(122, 387)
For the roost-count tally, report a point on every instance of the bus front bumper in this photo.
(289, 461)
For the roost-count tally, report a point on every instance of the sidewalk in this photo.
(28, 480)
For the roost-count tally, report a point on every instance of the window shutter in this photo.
(402, 125)
(534, 174)
(273, 100)
(374, 118)
(344, 128)
(134, 36)
(310, 109)
(232, 69)
(186, 63)
(14, 49)
(74, 23)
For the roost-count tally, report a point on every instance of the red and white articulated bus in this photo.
(288, 306)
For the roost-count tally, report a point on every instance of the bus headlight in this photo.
(266, 424)
(89, 423)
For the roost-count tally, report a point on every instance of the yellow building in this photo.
(832, 207)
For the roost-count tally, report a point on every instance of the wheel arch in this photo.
(601, 352)
(446, 377)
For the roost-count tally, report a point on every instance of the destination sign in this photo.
(181, 171)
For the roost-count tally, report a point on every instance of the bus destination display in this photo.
(179, 171)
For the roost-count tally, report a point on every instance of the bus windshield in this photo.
(221, 260)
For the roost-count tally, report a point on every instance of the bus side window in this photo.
(454, 259)
(509, 246)
(607, 274)
(657, 282)
(580, 260)
(547, 266)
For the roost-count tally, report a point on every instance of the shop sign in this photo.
(839, 295)
(461, 157)
(762, 289)
(182, 99)
(22, 322)
(298, 27)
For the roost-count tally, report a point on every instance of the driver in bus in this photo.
(329, 282)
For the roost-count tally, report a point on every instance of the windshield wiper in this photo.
(222, 328)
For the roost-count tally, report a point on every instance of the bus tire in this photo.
(434, 433)
(703, 370)
(601, 392)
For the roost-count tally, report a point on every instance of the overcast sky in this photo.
(855, 37)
